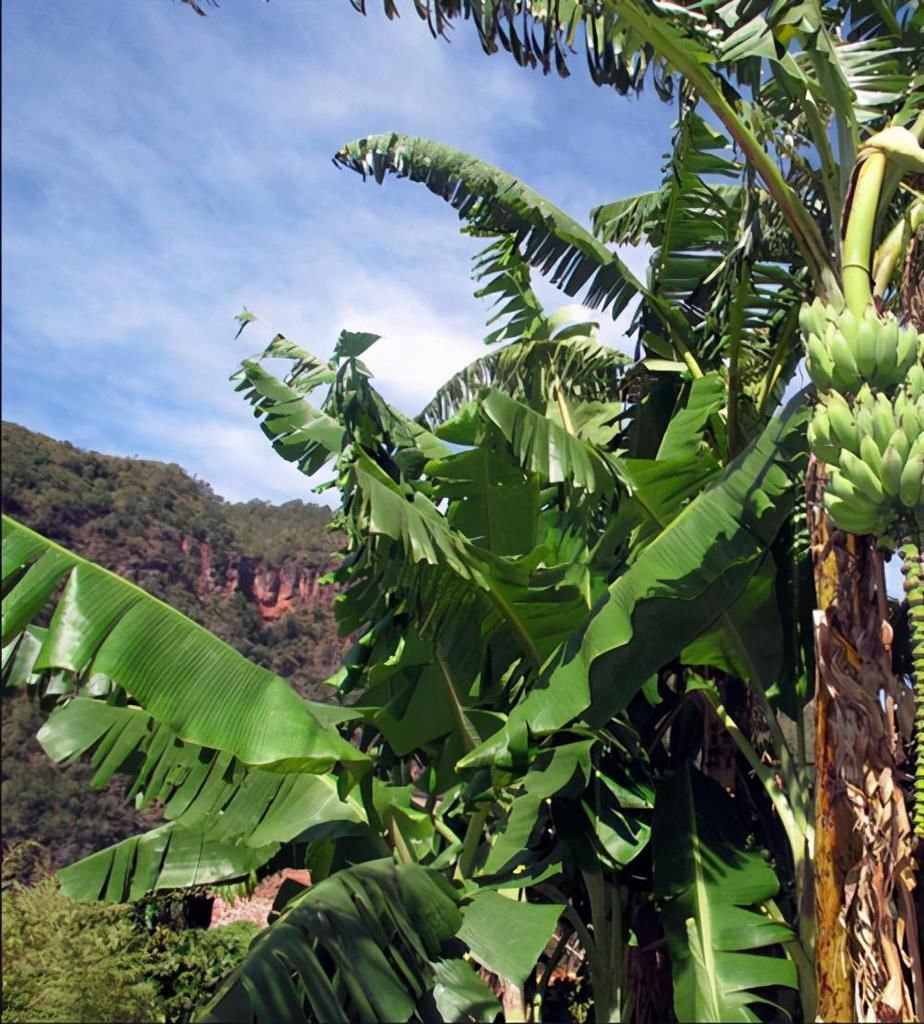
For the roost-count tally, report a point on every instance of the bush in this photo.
(69, 961)
(189, 965)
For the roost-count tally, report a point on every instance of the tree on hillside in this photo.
(582, 585)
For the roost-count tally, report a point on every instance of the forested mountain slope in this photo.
(249, 572)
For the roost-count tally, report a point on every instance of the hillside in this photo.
(249, 572)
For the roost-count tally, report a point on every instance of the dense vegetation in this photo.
(591, 596)
(119, 963)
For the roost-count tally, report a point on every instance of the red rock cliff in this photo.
(273, 589)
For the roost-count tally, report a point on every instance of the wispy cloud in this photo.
(169, 168)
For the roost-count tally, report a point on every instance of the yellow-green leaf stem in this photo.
(858, 236)
(893, 247)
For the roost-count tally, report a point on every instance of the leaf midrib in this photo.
(701, 899)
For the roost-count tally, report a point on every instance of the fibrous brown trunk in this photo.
(867, 952)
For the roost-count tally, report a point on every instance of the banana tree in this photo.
(823, 101)
(470, 577)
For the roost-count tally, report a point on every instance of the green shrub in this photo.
(189, 965)
(69, 961)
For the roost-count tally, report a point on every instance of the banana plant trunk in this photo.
(868, 961)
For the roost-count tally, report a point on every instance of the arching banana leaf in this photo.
(497, 203)
(544, 447)
(493, 502)
(368, 943)
(542, 33)
(185, 678)
(584, 370)
(302, 433)
(527, 604)
(198, 788)
(696, 569)
(504, 276)
(682, 582)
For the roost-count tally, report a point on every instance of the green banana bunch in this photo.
(843, 351)
(874, 449)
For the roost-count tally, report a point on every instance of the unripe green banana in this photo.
(912, 422)
(845, 372)
(840, 487)
(862, 477)
(842, 422)
(819, 436)
(864, 420)
(893, 462)
(847, 325)
(912, 482)
(819, 363)
(864, 349)
(883, 420)
(868, 424)
(845, 517)
(812, 318)
(869, 452)
(844, 489)
(907, 349)
(899, 441)
(914, 378)
(848, 350)
(886, 354)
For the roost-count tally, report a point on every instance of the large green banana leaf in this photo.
(530, 925)
(503, 275)
(300, 432)
(690, 575)
(503, 585)
(710, 890)
(588, 802)
(493, 502)
(580, 367)
(550, 773)
(543, 33)
(544, 447)
(184, 677)
(680, 584)
(369, 943)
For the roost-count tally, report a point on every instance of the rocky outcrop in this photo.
(272, 589)
(277, 590)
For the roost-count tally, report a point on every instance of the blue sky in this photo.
(160, 170)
